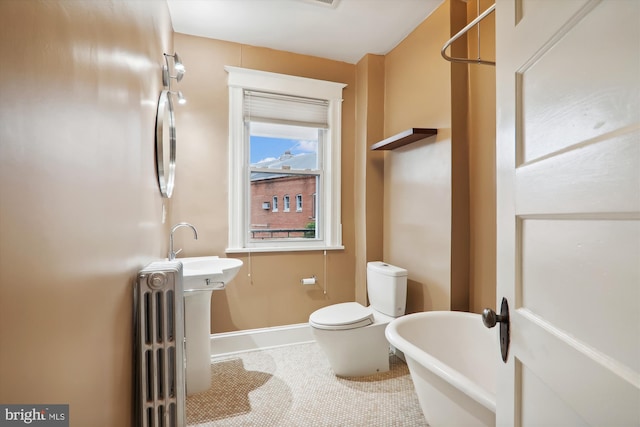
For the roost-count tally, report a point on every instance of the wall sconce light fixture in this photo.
(181, 99)
(176, 65)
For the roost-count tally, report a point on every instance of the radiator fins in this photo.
(159, 346)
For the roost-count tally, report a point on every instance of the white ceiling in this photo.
(345, 32)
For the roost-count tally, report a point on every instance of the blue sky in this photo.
(263, 147)
(270, 140)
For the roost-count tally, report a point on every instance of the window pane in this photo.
(283, 148)
(299, 202)
(277, 146)
(270, 224)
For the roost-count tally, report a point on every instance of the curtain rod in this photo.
(463, 32)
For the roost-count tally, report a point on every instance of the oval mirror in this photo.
(165, 144)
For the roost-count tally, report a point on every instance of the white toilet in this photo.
(351, 335)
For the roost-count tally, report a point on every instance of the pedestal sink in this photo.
(201, 276)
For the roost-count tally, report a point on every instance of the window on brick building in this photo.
(284, 138)
(298, 202)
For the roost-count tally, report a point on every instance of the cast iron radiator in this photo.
(159, 346)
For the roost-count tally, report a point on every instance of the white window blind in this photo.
(285, 109)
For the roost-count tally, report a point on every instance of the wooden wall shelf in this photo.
(404, 138)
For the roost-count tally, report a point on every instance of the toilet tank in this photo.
(387, 288)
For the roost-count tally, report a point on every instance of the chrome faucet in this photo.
(172, 254)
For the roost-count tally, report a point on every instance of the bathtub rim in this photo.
(439, 368)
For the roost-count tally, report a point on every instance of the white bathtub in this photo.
(452, 359)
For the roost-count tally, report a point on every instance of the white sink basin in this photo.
(208, 272)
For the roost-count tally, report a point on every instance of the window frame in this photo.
(330, 227)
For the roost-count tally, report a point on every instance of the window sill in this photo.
(282, 249)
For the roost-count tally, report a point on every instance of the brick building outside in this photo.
(284, 205)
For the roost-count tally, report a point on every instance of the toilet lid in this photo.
(348, 315)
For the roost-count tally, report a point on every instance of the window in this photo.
(284, 138)
(298, 202)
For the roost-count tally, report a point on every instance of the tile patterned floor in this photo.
(294, 387)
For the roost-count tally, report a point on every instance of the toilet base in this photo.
(355, 352)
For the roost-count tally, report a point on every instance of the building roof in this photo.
(288, 161)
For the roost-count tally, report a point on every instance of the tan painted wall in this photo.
(80, 211)
(482, 131)
(369, 171)
(417, 177)
(267, 291)
(459, 164)
(440, 192)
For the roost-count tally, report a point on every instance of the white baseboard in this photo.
(228, 343)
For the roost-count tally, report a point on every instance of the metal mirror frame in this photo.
(166, 176)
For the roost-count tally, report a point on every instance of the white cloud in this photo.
(306, 146)
(265, 160)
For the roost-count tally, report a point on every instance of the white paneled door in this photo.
(568, 158)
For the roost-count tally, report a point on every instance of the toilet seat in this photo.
(347, 315)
